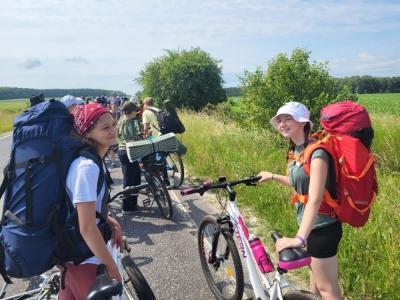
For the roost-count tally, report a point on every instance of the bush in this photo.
(288, 79)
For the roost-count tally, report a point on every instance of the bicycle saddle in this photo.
(104, 286)
(292, 258)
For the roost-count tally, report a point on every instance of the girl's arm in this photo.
(318, 177)
(265, 176)
(93, 238)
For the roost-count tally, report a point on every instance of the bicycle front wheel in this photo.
(135, 285)
(224, 272)
(161, 196)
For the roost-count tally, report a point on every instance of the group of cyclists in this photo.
(102, 126)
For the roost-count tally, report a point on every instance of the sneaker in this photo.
(130, 209)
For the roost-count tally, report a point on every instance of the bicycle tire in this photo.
(161, 196)
(175, 169)
(135, 284)
(300, 295)
(233, 268)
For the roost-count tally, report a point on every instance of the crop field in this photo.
(8, 110)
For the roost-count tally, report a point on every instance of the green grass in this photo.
(381, 103)
(368, 256)
(8, 110)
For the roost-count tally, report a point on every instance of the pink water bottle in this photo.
(262, 258)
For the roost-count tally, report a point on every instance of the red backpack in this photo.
(356, 184)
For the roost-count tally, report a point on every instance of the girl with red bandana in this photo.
(97, 127)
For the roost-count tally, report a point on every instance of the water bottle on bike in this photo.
(261, 256)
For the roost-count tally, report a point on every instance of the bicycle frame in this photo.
(259, 281)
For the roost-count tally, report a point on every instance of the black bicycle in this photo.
(155, 175)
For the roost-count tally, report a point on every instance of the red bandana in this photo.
(86, 115)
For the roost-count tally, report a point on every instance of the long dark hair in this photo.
(307, 130)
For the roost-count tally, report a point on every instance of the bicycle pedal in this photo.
(146, 202)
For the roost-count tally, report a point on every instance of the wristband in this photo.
(272, 177)
(303, 242)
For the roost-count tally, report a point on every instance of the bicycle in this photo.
(220, 259)
(135, 284)
(157, 190)
(175, 169)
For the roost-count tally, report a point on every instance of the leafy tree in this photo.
(188, 78)
(288, 79)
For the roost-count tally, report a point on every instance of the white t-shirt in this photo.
(82, 187)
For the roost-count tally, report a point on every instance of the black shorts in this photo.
(323, 242)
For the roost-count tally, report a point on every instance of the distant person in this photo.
(128, 130)
(149, 119)
(36, 99)
(115, 111)
(71, 102)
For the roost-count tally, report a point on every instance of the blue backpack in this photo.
(39, 225)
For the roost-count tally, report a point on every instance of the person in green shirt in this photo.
(128, 130)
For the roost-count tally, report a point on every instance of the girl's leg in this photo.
(325, 275)
(313, 284)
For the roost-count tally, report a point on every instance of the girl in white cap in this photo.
(320, 233)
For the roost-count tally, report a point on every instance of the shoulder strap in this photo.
(90, 154)
(156, 113)
(324, 144)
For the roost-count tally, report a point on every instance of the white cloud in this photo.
(31, 64)
(121, 36)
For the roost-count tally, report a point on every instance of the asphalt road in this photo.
(165, 250)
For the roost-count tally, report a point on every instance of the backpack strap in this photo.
(156, 113)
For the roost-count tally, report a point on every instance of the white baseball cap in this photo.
(297, 110)
(70, 100)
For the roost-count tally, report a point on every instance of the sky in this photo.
(106, 43)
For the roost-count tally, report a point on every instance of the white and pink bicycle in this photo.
(220, 259)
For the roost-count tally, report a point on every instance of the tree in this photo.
(188, 78)
(288, 79)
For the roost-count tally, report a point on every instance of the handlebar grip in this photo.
(276, 236)
(201, 189)
(257, 178)
(192, 191)
(135, 188)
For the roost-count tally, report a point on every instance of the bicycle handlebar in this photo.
(222, 185)
(131, 189)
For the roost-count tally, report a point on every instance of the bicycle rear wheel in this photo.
(175, 169)
(161, 196)
(135, 285)
(224, 275)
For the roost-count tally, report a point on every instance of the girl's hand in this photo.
(265, 176)
(286, 242)
(117, 236)
(116, 232)
(113, 272)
